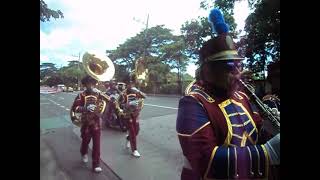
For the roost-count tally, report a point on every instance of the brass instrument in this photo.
(272, 119)
(133, 106)
(141, 72)
(100, 68)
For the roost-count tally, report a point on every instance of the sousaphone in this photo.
(101, 68)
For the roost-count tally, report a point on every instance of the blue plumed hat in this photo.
(222, 46)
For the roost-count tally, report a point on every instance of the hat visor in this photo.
(225, 58)
(224, 55)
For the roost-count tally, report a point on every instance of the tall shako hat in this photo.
(221, 47)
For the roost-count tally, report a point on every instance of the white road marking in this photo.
(59, 105)
(61, 97)
(160, 106)
(44, 103)
(52, 101)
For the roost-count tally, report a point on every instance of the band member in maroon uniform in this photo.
(219, 129)
(86, 103)
(116, 99)
(132, 108)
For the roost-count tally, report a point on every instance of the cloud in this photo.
(241, 11)
(43, 58)
(191, 69)
(103, 24)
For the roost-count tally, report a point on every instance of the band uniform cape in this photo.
(219, 137)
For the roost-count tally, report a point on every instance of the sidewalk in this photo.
(60, 158)
(157, 161)
(49, 169)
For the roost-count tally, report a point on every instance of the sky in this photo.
(105, 24)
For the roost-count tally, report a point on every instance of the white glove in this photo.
(91, 107)
(134, 89)
(275, 111)
(273, 148)
(133, 103)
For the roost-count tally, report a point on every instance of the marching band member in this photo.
(132, 110)
(85, 103)
(218, 127)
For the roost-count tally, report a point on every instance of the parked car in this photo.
(68, 89)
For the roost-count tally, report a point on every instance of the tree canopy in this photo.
(160, 50)
(46, 13)
(261, 42)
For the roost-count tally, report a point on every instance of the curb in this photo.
(164, 95)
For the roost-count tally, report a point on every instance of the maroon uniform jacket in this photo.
(81, 101)
(220, 137)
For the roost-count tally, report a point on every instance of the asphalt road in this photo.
(157, 140)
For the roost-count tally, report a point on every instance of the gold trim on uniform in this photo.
(76, 109)
(191, 95)
(228, 167)
(88, 96)
(209, 98)
(244, 139)
(238, 95)
(267, 160)
(250, 156)
(187, 91)
(241, 125)
(180, 134)
(230, 133)
(236, 163)
(258, 154)
(210, 162)
(236, 135)
(249, 116)
(244, 94)
(234, 114)
(251, 132)
(103, 107)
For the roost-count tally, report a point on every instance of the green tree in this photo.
(197, 31)
(154, 46)
(120, 72)
(47, 70)
(72, 73)
(46, 13)
(141, 45)
(53, 81)
(261, 44)
(227, 7)
(157, 75)
(174, 55)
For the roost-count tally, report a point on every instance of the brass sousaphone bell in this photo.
(98, 66)
(101, 68)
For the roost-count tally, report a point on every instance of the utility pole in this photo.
(145, 39)
(79, 73)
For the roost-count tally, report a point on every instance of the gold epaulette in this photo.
(198, 90)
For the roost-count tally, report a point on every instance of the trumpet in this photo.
(272, 123)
